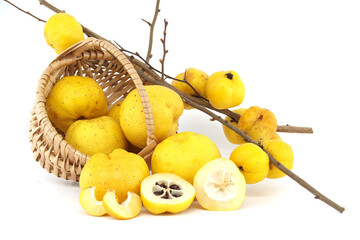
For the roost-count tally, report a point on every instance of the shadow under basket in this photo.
(110, 68)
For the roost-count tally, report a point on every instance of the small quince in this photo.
(196, 78)
(283, 153)
(225, 89)
(62, 31)
(166, 106)
(252, 161)
(183, 154)
(97, 135)
(258, 123)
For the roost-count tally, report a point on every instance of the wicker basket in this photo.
(116, 75)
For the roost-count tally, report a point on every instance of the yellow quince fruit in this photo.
(120, 171)
(258, 123)
(98, 135)
(225, 89)
(166, 107)
(196, 78)
(283, 153)
(114, 112)
(252, 161)
(62, 31)
(230, 135)
(73, 98)
(219, 185)
(183, 154)
(166, 192)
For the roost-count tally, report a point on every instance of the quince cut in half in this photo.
(166, 192)
(129, 208)
(89, 202)
(220, 186)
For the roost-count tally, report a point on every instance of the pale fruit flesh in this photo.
(89, 202)
(166, 192)
(128, 209)
(220, 186)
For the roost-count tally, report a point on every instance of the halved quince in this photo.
(129, 208)
(220, 186)
(166, 192)
(89, 202)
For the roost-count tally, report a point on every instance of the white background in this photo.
(300, 59)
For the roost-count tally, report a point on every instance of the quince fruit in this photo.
(230, 135)
(166, 107)
(62, 31)
(89, 202)
(219, 185)
(252, 161)
(196, 78)
(258, 123)
(225, 89)
(283, 153)
(73, 98)
(128, 209)
(183, 154)
(166, 192)
(97, 135)
(114, 112)
(120, 171)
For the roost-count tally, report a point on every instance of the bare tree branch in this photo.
(28, 13)
(152, 26)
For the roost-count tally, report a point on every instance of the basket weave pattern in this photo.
(111, 69)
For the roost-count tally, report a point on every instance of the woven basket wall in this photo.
(116, 75)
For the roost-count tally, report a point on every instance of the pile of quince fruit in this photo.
(184, 166)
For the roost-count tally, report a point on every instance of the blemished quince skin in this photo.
(73, 98)
(62, 31)
(97, 135)
(219, 185)
(283, 153)
(196, 78)
(258, 123)
(166, 192)
(166, 106)
(127, 209)
(225, 89)
(252, 161)
(232, 136)
(120, 171)
(183, 154)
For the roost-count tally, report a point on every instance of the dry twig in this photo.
(165, 51)
(152, 26)
(39, 19)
